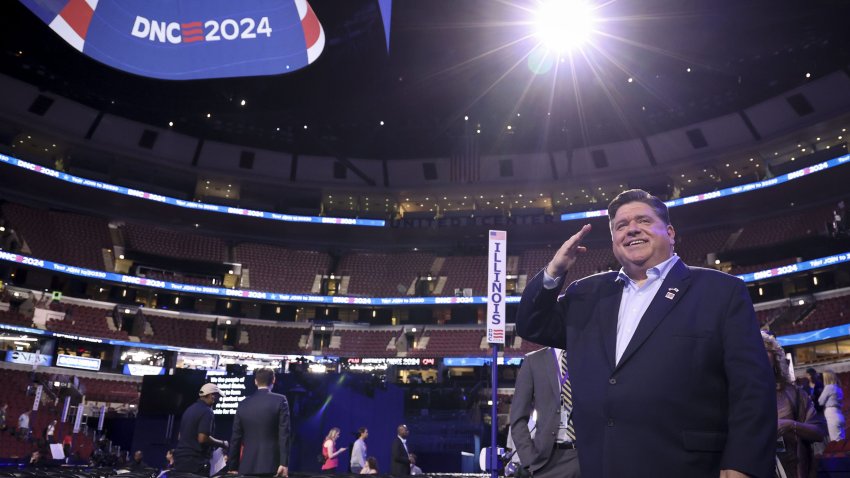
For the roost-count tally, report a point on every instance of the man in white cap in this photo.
(195, 442)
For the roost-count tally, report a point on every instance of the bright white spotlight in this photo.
(563, 25)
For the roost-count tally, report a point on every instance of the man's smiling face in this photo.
(641, 239)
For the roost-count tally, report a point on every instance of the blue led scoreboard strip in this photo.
(815, 335)
(93, 340)
(221, 292)
(786, 341)
(197, 206)
(797, 267)
(144, 345)
(767, 183)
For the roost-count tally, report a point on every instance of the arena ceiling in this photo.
(657, 65)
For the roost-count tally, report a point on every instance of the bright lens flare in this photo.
(563, 25)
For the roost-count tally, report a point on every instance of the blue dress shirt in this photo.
(635, 301)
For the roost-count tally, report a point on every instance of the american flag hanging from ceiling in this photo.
(466, 160)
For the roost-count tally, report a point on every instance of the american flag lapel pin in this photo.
(671, 293)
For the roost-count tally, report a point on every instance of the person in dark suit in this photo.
(36, 460)
(551, 452)
(669, 374)
(260, 440)
(400, 454)
(138, 462)
(814, 387)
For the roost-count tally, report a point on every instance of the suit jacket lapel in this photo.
(667, 296)
(609, 310)
(553, 370)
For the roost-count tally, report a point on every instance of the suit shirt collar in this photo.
(658, 271)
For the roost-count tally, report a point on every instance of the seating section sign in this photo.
(140, 370)
(189, 39)
(82, 363)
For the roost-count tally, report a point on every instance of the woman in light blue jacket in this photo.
(831, 400)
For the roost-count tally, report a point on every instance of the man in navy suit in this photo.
(669, 374)
(261, 426)
(400, 453)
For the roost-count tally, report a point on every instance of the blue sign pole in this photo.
(494, 420)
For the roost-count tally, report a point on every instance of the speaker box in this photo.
(429, 171)
(40, 105)
(696, 138)
(800, 104)
(148, 139)
(600, 159)
(246, 160)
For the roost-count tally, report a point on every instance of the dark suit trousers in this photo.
(562, 464)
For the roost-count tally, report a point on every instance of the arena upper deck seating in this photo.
(786, 227)
(449, 342)
(68, 238)
(79, 240)
(396, 271)
(826, 313)
(180, 332)
(87, 321)
(367, 343)
(278, 269)
(13, 318)
(273, 339)
(172, 243)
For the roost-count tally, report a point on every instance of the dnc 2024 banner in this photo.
(189, 39)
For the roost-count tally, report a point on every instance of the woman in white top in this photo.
(50, 432)
(831, 400)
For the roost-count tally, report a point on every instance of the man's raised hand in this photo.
(567, 254)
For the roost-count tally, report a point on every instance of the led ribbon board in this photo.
(189, 39)
(197, 206)
(767, 183)
(172, 348)
(479, 361)
(235, 293)
(326, 299)
(785, 341)
(815, 335)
